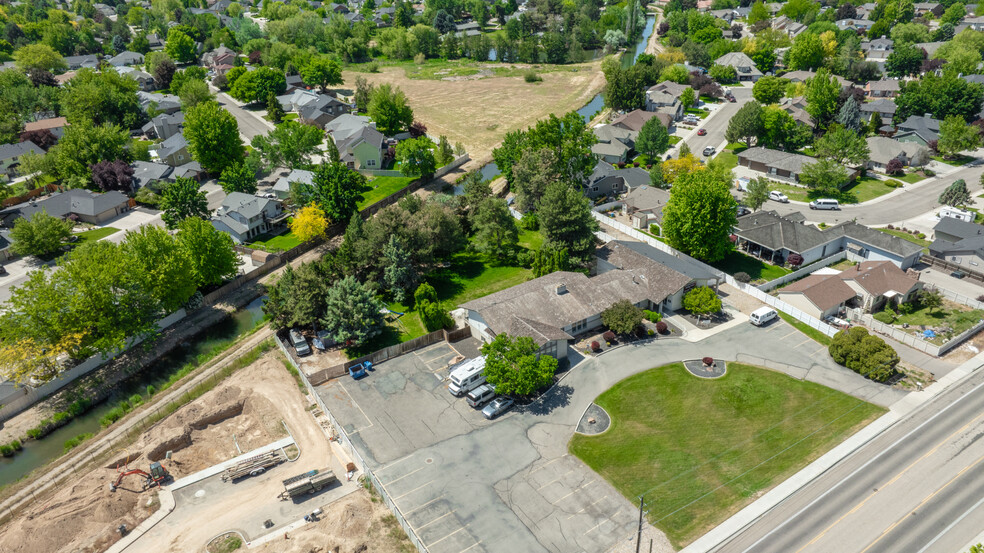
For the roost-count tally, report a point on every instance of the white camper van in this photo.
(467, 376)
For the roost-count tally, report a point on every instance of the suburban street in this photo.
(717, 123)
(917, 488)
(250, 125)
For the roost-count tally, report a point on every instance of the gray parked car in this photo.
(497, 407)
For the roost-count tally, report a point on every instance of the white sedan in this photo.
(777, 196)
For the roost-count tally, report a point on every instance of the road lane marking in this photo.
(893, 480)
(357, 406)
(923, 502)
(470, 546)
(541, 467)
(432, 544)
(413, 490)
(595, 527)
(424, 505)
(422, 526)
(574, 491)
(585, 508)
(858, 470)
(555, 480)
(950, 527)
(405, 475)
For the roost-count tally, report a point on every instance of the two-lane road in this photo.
(917, 488)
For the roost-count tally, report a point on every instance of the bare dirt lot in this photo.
(478, 112)
(249, 405)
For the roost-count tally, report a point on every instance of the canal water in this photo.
(588, 111)
(37, 453)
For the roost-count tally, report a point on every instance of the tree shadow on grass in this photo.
(449, 281)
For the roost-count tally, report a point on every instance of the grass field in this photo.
(729, 159)
(910, 178)
(278, 243)
(382, 187)
(95, 234)
(906, 236)
(817, 336)
(958, 161)
(700, 450)
(859, 191)
(737, 262)
(478, 112)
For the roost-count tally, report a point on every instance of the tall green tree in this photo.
(806, 52)
(289, 145)
(702, 301)
(322, 72)
(254, 86)
(513, 367)
(238, 177)
(84, 145)
(746, 125)
(275, 112)
(40, 235)
(399, 274)
(957, 136)
(337, 190)
(781, 132)
(956, 194)
(699, 216)
(757, 194)
(566, 221)
(826, 175)
(864, 353)
(180, 200)
(769, 90)
(904, 60)
(162, 265)
(39, 56)
(495, 229)
(213, 137)
(941, 96)
(416, 157)
(531, 174)
(352, 313)
(653, 140)
(843, 146)
(849, 115)
(102, 98)
(179, 46)
(213, 258)
(388, 108)
(622, 317)
(822, 92)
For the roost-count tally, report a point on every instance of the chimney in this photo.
(561, 289)
(928, 115)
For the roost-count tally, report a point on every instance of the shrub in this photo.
(531, 76)
(922, 235)
(595, 346)
(887, 316)
(608, 336)
(34, 433)
(434, 316)
(650, 332)
(708, 360)
(420, 59)
(136, 400)
(425, 292)
(864, 354)
(654, 229)
(79, 407)
(16, 445)
(76, 441)
(890, 227)
(114, 414)
(652, 316)
(795, 259)
(372, 67)
(822, 225)
(894, 183)
(529, 222)
(151, 390)
(929, 172)
(980, 298)
(661, 327)
(906, 308)
(6, 450)
(894, 167)
(743, 277)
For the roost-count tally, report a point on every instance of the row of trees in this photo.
(101, 295)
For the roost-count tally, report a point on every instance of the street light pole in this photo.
(639, 536)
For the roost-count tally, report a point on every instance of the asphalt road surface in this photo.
(918, 488)
(249, 124)
(717, 123)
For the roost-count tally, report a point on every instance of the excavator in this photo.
(157, 476)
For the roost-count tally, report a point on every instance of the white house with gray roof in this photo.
(882, 150)
(744, 66)
(244, 216)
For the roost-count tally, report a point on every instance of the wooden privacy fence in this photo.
(396, 350)
(949, 266)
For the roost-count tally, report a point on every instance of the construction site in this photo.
(248, 464)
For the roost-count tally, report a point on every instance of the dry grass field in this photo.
(477, 104)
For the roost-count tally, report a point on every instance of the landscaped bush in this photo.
(708, 361)
(795, 259)
(886, 316)
(652, 316)
(608, 336)
(661, 327)
(890, 227)
(892, 183)
(531, 76)
(864, 354)
(980, 298)
(929, 172)
(654, 229)
(743, 277)
(595, 346)
(894, 167)
(922, 235)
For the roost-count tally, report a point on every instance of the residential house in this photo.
(923, 8)
(879, 282)
(884, 107)
(220, 56)
(644, 206)
(10, 155)
(885, 88)
(127, 58)
(822, 294)
(191, 170)
(772, 237)
(775, 163)
(107, 11)
(145, 81)
(854, 24)
(359, 144)
(877, 49)
(162, 103)
(470, 28)
(87, 206)
(244, 216)
(744, 66)
(803, 76)
(606, 180)
(54, 124)
(88, 61)
(146, 173)
(788, 26)
(174, 150)
(727, 15)
(796, 108)
(919, 129)
(959, 242)
(973, 23)
(929, 47)
(882, 150)
(774, 8)
(5, 242)
(613, 143)
(635, 119)
(282, 187)
(164, 126)
(665, 98)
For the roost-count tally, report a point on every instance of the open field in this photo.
(478, 111)
(700, 450)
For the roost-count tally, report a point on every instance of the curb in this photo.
(167, 506)
(723, 532)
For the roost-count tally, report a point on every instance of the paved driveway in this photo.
(466, 484)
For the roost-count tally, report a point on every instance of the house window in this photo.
(180, 157)
(370, 163)
(594, 188)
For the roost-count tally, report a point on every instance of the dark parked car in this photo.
(958, 274)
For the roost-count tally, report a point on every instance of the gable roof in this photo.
(297, 175)
(926, 127)
(172, 145)
(740, 61)
(646, 198)
(889, 85)
(246, 205)
(62, 204)
(633, 120)
(10, 151)
(956, 227)
(626, 254)
(881, 105)
(768, 229)
(144, 172)
(883, 149)
(789, 161)
(880, 277)
(823, 291)
(871, 237)
(50, 123)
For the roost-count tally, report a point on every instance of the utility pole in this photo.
(639, 536)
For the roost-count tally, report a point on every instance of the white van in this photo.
(300, 344)
(477, 397)
(467, 376)
(825, 203)
(762, 315)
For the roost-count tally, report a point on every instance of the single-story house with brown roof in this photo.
(818, 295)
(54, 124)
(868, 285)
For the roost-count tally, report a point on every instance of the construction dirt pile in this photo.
(84, 516)
(355, 524)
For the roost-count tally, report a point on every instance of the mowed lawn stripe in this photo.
(702, 449)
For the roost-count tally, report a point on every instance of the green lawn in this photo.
(270, 243)
(700, 450)
(702, 113)
(737, 262)
(530, 239)
(910, 178)
(958, 161)
(674, 140)
(843, 264)
(811, 332)
(860, 190)
(382, 187)
(906, 236)
(728, 158)
(95, 234)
